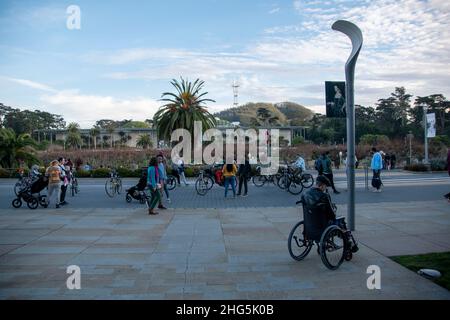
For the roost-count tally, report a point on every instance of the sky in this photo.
(123, 57)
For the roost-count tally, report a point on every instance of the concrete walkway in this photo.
(210, 254)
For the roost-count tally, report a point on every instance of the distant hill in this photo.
(261, 114)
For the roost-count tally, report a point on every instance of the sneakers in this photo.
(336, 192)
(152, 212)
(162, 207)
(168, 200)
(57, 206)
(245, 195)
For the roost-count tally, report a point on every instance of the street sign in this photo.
(335, 99)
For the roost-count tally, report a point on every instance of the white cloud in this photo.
(274, 10)
(30, 84)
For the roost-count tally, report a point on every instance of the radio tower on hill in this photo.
(235, 93)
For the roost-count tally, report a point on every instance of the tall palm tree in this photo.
(183, 108)
(73, 138)
(95, 132)
(15, 147)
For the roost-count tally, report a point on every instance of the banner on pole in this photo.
(431, 125)
(335, 99)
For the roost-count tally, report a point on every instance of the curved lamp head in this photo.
(355, 35)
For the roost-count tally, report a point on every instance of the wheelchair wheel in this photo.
(298, 246)
(128, 198)
(33, 203)
(17, 203)
(333, 247)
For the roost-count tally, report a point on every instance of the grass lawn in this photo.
(437, 261)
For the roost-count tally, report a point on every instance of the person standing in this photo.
(65, 181)
(244, 173)
(393, 161)
(162, 179)
(377, 166)
(327, 171)
(318, 165)
(229, 173)
(53, 173)
(153, 185)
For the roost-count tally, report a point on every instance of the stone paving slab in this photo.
(211, 254)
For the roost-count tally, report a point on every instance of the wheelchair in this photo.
(336, 243)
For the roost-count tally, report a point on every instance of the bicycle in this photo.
(260, 180)
(171, 182)
(113, 185)
(203, 183)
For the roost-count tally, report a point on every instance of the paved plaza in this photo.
(211, 253)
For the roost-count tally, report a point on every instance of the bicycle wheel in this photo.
(295, 188)
(307, 180)
(171, 182)
(119, 186)
(201, 186)
(298, 246)
(209, 181)
(259, 180)
(110, 188)
(33, 203)
(333, 247)
(17, 203)
(283, 182)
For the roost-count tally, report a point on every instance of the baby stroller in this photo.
(137, 192)
(31, 194)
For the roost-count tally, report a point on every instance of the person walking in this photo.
(162, 179)
(153, 185)
(229, 173)
(318, 165)
(327, 171)
(53, 173)
(393, 161)
(181, 171)
(65, 181)
(377, 166)
(244, 173)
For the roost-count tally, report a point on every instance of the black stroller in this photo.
(138, 191)
(31, 194)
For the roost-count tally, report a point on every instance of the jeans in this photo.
(54, 190)
(330, 177)
(230, 180)
(63, 193)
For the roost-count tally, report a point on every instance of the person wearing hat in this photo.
(318, 210)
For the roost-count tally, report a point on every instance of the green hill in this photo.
(267, 114)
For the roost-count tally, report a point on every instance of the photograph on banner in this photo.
(431, 125)
(335, 99)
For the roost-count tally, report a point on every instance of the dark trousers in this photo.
(63, 193)
(176, 175)
(243, 180)
(330, 177)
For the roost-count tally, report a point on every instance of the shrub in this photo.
(418, 167)
(100, 173)
(374, 139)
(83, 173)
(5, 173)
(438, 165)
(298, 140)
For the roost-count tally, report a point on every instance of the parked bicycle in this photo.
(113, 185)
(74, 188)
(260, 180)
(203, 183)
(294, 180)
(171, 182)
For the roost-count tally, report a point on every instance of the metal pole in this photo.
(425, 133)
(355, 35)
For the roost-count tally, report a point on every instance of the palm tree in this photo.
(144, 141)
(73, 138)
(16, 147)
(95, 131)
(183, 108)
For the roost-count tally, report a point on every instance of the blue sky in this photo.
(126, 52)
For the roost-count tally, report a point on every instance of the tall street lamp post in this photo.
(424, 106)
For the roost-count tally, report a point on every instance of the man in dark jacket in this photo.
(318, 211)
(244, 173)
